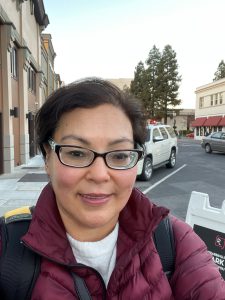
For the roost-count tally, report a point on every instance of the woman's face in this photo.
(90, 199)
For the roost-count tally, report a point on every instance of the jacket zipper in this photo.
(78, 265)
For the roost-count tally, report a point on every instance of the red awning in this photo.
(213, 121)
(198, 122)
(222, 122)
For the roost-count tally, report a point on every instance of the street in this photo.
(195, 171)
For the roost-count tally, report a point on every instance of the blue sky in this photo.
(108, 38)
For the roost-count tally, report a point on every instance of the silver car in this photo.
(214, 142)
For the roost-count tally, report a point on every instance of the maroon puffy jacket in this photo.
(138, 272)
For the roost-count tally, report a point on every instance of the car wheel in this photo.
(147, 169)
(208, 148)
(172, 160)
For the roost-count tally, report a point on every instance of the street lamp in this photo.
(174, 121)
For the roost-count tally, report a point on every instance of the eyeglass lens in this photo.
(81, 157)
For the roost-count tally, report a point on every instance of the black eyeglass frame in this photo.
(56, 148)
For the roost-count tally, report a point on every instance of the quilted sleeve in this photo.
(196, 276)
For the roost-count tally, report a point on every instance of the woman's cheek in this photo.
(66, 178)
(130, 176)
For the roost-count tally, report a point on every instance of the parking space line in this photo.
(163, 179)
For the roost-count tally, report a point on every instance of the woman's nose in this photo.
(98, 170)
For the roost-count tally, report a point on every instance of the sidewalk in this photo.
(23, 186)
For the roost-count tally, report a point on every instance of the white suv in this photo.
(160, 149)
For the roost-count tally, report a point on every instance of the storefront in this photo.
(205, 125)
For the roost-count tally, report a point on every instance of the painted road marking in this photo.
(163, 179)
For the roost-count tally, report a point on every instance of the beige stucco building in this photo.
(181, 119)
(121, 83)
(24, 82)
(210, 108)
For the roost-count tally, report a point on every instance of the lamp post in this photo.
(174, 121)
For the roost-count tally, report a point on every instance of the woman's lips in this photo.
(95, 199)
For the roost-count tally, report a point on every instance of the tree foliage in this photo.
(156, 82)
(220, 72)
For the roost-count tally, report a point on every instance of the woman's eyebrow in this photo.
(86, 142)
(121, 140)
(75, 138)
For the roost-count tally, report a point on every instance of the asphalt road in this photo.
(195, 171)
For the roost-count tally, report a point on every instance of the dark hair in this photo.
(87, 93)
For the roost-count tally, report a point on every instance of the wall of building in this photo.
(24, 86)
(180, 120)
(206, 94)
(11, 9)
(121, 83)
(210, 102)
(30, 31)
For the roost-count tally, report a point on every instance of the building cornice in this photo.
(209, 86)
(40, 15)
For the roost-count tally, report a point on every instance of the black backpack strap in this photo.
(19, 266)
(80, 287)
(164, 242)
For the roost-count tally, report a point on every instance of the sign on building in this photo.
(209, 223)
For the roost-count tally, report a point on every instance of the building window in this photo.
(31, 79)
(14, 61)
(201, 102)
(211, 100)
(216, 99)
(221, 98)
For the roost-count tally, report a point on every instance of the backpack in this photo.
(20, 267)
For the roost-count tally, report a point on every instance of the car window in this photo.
(223, 136)
(164, 133)
(216, 135)
(171, 131)
(156, 133)
(148, 134)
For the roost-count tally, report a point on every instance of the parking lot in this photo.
(195, 171)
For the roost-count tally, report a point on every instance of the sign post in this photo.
(209, 223)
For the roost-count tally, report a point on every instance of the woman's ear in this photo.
(47, 151)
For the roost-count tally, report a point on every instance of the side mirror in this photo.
(157, 139)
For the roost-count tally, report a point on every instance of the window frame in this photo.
(14, 62)
(31, 78)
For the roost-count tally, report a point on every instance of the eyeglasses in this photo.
(78, 157)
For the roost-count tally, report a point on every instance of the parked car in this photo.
(160, 149)
(190, 135)
(214, 142)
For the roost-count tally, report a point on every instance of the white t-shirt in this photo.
(100, 255)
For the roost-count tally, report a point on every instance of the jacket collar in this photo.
(137, 221)
(47, 235)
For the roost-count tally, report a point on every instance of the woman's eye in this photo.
(120, 156)
(75, 153)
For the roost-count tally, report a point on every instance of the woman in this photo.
(90, 222)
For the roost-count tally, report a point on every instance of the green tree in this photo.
(220, 72)
(152, 75)
(168, 81)
(138, 85)
(157, 82)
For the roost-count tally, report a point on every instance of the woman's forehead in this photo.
(106, 121)
(101, 115)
